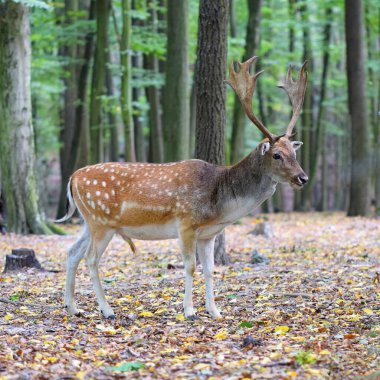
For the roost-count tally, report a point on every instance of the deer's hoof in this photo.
(108, 315)
(193, 317)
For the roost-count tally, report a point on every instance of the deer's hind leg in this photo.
(99, 241)
(74, 256)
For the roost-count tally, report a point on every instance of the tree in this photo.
(75, 95)
(360, 142)
(156, 135)
(176, 97)
(211, 92)
(251, 43)
(17, 152)
(98, 80)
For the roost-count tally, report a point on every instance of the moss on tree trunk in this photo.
(17, 153)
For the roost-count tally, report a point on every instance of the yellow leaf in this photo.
(8, 316)
(38, 356)
(146, 314)
(275, 355)
(313, 371)
(368, 311)
(182, 357)
(201, 366)
(354, 318)
(281, 330)
(298, 338)
(160, 311)
(51, 359)
(324, 352)
(221, 335)
(292, 373)
(180, 317)
(80, 375)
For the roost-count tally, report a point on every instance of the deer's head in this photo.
(279, 152)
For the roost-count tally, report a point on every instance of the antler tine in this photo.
(244, 84)
(296, 92)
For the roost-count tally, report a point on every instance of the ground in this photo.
(312, 312)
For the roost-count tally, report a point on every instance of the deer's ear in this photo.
(264, 148)
(297, 144)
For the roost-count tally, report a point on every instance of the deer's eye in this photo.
(276, 156)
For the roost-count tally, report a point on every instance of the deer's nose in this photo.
(303, 178)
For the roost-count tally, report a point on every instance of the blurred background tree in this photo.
(117, 80)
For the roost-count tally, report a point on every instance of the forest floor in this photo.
(312, 312)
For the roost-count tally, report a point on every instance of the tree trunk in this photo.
(137, 93)
(357, 95)
(76, 142)
(17, 151)
(377, 157)
(98, 81)
(307, 113)
(69, 52)
(81, 139)
(319, 127)
(156, 136)
(112, 120)
(232, 18)
(239, 118)
(176, 97)
(193, 116)
(211, 91)
(126, 86)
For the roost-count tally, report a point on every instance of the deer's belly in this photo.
(211, 231)
(168, 230)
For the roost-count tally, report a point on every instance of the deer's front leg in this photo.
(187, 240)
(206, 256)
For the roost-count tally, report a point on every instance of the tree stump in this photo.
(263, 228)
(21, 258)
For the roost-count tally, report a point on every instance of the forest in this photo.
(109, 82)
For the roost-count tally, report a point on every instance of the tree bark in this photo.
(239, 118)
(137, 93)
(112, 120)
(98, 81)
(305, 132)
(17, 149)
(357, 95)
(126, 86)
(156, 135)
(319, 135)
(81, 140)
(176, 91)
(211, 91)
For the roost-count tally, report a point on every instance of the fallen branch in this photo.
(19, 303)
(305, 295)
(275, 364)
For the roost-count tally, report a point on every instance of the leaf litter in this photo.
(312, 312)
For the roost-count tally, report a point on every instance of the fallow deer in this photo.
(190, 200)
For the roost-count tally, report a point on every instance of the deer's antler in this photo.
(296, 92)
(244, 84)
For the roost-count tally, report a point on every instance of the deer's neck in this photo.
(245, 186)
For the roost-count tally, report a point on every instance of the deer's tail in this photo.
(70, 205)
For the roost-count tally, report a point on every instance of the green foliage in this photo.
(305, 357)
(127, 367)
(246, 324)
